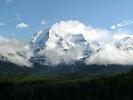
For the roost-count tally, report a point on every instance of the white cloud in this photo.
(67, 30)
(57, 56)
(119, 36)
(2, 24)
(22, 25)
(110, 54)
(113, 27)
(15, 51)
(122, 24)
(75, 27)
(43, 22)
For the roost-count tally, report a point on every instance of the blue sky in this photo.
(22, 18)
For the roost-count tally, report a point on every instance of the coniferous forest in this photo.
(61, 87)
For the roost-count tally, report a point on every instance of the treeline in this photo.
(32, 87)
(76, 68)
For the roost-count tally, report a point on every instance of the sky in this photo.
(22, 18)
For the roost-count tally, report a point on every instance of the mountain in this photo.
(125, 43)
(47, 40)
(65, 42)
(7, 67)
(61, 43)
(39, 39)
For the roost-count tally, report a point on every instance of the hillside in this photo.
(77, 69)
(33, 87)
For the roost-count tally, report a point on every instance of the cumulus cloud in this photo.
(22, 25)
(43, 22)
(15, 51)
(122, 24)
(75, 27)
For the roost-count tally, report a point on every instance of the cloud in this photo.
(99, 51)
(56, 56)
(75, 27)
(122, 24)
(43, 22)
(119, 36)
(110, 54)
(113, 27)
(15, 51)
(63, 45)
(2, 24)
(22, 25)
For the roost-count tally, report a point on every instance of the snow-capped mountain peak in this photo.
(36, 35)
(62, 43)
(39, 39)
(125, 43)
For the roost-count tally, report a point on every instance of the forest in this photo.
(61, 87)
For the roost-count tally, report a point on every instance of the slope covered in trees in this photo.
(33, 87)
(77, 68)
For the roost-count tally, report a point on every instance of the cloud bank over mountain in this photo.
(15, 51)
(69, 41)
(111, 55)
(108, 52)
